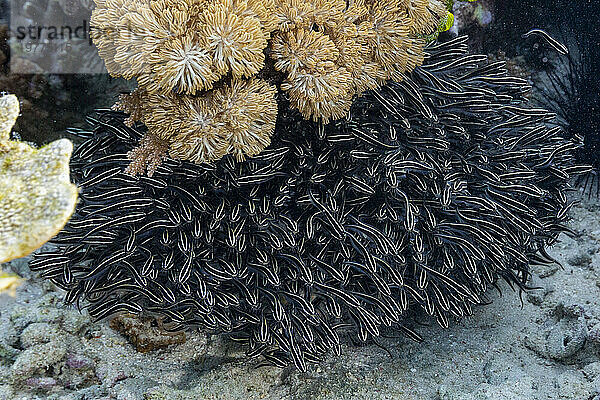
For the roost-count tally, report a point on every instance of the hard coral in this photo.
(9, 112)
(425, 195)
(36, 196)
(323, 53)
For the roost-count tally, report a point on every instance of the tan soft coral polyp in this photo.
(238, 118)
(234, 37)
(208, 70)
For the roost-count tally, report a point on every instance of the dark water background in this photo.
(52, 103)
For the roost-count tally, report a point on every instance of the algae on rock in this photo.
(36, 195)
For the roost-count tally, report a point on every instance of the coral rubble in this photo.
(143, 335)
(426, 194)
(189, 56)
(36, 196)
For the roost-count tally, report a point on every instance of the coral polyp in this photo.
(427, 193)
(236, 119)
(320, 53)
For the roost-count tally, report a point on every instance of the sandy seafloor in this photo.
(546, 348)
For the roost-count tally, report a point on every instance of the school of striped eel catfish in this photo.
(428, 193)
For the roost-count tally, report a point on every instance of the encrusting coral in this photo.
(36, 196)
(429, 191)
(321, 54)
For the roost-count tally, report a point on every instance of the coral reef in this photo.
(431, 190)
(9, 112)
(41, 348)
(320, 53)
(236, 119)
(36, 196)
